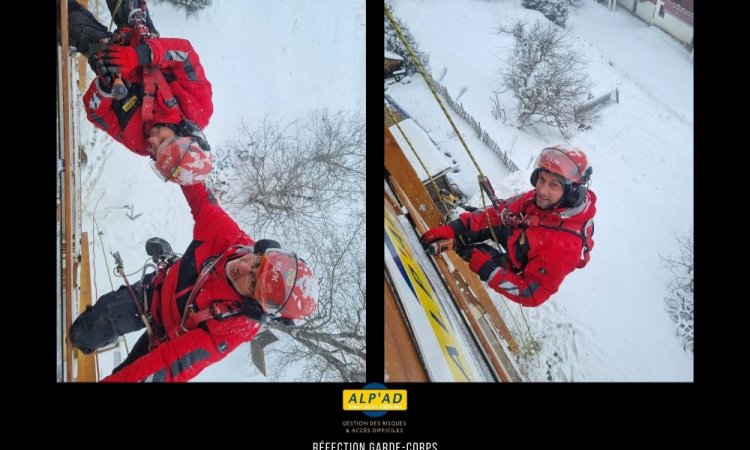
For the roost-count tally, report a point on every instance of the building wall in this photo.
(677, 20)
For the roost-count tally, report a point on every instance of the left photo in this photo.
(210, 191)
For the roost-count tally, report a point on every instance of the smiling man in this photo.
(202, 305)
(547, 232)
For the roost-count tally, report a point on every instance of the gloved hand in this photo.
(483, 259)
(509, 219)
(97, 65)
(499, 257)
(122, 60)
(453, 230)
(481, 262)
(437, 234)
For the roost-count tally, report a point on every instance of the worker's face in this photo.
(156, 136)
(549, 190)
(242, 273)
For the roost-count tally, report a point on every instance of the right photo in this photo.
(538, 191)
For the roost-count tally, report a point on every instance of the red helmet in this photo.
(285, 285)
(569, 163)
(182, 161)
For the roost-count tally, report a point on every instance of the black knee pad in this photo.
(113, 315)
(91, 331)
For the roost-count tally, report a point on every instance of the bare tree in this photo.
(545, 75)
(331, 346)
(291, 180)
(681, 288)
(302, 184)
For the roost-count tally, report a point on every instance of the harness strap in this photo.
(585, 233)
(165, 90)
(153, 78)
(149, 92)
(218, 310)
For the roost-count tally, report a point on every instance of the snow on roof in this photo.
(391, 55)
(430, 155)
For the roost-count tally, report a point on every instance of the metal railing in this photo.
(581, 111)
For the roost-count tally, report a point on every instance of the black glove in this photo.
(97, 65)
(498, 257)
(464, 251)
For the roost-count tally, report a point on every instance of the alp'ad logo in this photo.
(375, 400)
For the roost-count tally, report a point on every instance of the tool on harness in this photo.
(137, 21)
(149, 331)
(484, 183)
(440, 246)
(119, 91)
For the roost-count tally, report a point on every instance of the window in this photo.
(661, 10)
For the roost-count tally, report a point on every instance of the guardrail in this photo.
(596, 102)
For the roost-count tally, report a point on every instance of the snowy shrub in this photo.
(394, 44)
(191, 7)
(554, 10)
(681, 287)
(498, 112)
(546, 76)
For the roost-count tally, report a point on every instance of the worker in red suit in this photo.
(547, 232)
(199, 307)
(143, 80)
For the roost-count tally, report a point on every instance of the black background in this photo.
(294, 415)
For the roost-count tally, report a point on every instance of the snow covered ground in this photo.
(281, 59)
(608, 321)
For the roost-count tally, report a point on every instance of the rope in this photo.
(416, 62)
(114, 13)
(428, 81)
(98, 232)
(430, 85)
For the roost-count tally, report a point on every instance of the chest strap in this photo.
(218, 310)
(153, 79)
(585, 231)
